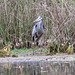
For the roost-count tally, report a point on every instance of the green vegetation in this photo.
(30, 51)
(21, 51)
(17, 52)
(1, 0)
(26, 51)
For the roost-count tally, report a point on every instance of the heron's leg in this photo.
(33, 39)
(33, 44)
(38, 39)
(36, 35)
(37, 43)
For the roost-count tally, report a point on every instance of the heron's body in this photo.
(37, 30)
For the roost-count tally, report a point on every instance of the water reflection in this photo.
(37, 68)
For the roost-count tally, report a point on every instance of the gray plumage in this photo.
(38, 29)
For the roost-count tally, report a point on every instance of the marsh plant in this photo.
(16, 21)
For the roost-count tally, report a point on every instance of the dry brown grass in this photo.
(16, 20)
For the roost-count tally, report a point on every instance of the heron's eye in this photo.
(35, 26)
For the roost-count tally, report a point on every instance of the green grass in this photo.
(30, 51)
(73, 0)
(27, 51)
(1, 0)
(21, 51)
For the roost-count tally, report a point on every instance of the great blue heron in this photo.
(38, 29)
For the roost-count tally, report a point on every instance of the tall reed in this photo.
(16, 20)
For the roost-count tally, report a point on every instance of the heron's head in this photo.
(38, 19)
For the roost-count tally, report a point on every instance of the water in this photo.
(39, 67)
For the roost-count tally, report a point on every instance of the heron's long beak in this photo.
(37, 20)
